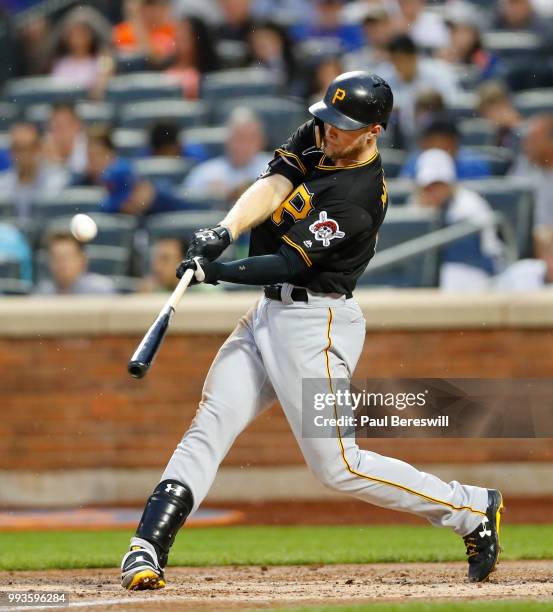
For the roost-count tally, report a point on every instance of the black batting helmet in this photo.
(354, 100)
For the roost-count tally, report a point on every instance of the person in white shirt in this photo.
(469, 263)
(244, 160)
(426, 28)
(65, 140)
(31, 177)
(408, 73)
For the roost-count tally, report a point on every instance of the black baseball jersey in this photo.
(331, 218)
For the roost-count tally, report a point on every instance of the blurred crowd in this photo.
(154, 115)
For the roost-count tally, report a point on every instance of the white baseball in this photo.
(83, 227)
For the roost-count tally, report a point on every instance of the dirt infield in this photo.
(221, 588)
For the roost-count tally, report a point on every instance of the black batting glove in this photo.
(204, 270)
(209, 243)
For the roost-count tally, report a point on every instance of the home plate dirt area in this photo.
(251, 587)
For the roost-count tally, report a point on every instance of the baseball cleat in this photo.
(483, 543)
(140, 570)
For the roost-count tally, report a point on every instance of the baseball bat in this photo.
(142, 359)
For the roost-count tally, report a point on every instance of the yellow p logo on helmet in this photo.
(339, 94)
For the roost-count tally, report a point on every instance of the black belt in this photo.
(274, 292)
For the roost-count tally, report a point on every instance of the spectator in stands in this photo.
(495, 105)
(80, 54)
(283, 11)
(31, 177)
(127, 192)
(15, 247)
(237, 22)
(428, 105)
(320, 74)
(194, 56)
(409, 73)
(68, 264)
(271, 48)
(442, 133)
(164, 142)
(379, 28)
(425, 28)
(65, 139)
(468, 263)
(538, 166)
(530, 274)
(244, 160)
(167, 254)
(149, 30)
(329, 26)
(519, 15)
(466, 47)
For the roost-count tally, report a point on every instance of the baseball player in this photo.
(314, 215)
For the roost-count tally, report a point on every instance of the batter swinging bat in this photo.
(140, 362)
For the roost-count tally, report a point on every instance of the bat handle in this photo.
(179, 290)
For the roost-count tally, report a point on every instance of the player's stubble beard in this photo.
(349, 154)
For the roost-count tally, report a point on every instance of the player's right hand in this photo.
(209, 243)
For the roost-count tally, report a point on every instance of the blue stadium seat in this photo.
(280, 116)
(172, 169)
(7, 206)
(402, 225)
(392, 161)
(202, 202)
(477, 132)
(513, 197)
(144, 114)
(246, 82)
(399, 191)
(499, 159)
(464, 106)
(534, 101)
(89, 112)
(42, 90)
(130, 143)
(136, 86)
(9, 268)
(522, 46)
(180, 225)
(70, 202)
(8, 114)
(212, 139)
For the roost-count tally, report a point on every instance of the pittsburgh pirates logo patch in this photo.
(325, 229)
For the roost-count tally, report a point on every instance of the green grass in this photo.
(266, 546)
(468, 606)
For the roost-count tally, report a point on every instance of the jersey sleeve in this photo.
(289, 159)
(324, 232)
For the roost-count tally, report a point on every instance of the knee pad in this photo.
(165, 512)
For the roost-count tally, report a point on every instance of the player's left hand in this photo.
(205, 271)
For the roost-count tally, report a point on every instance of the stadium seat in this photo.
(280, 116)
(499, 159)
(201, 201)
(402, 225)
(137, 86)
(7, 207)
(42, 90)
(534, 101)
(144, 114)
(8, 114)
(130, 143)
(9, 268)
(212, 139)
(70, 202)
(108, 260)
(464, 106)
(392, 161)
(476, 132)
(180, 225)
(89, 112)
(522, 46)
(399, 191)
(14, 286)
(171, 169)
(232, 53)
(113, 230)
(246, 82)
(513, 197)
